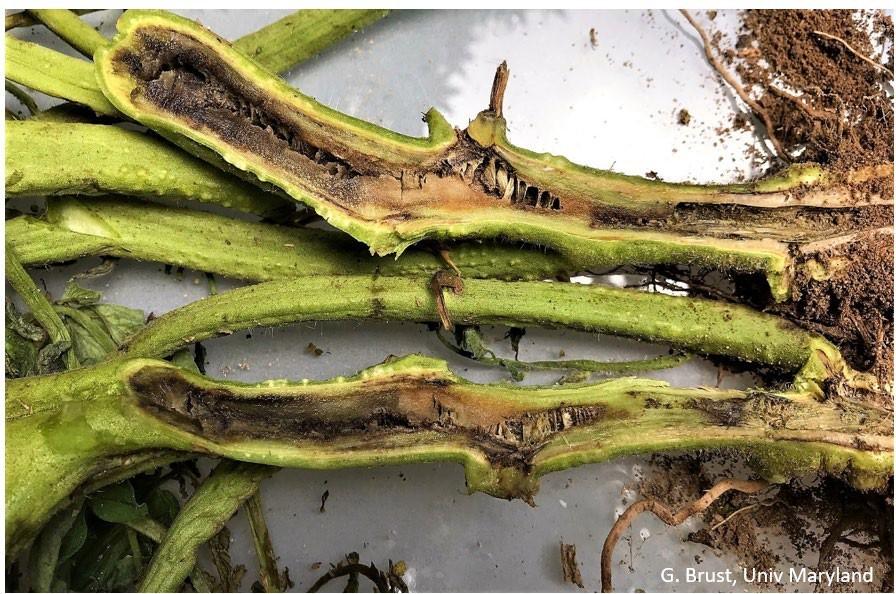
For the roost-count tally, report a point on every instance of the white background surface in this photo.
(613, 105)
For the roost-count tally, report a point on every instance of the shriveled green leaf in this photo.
(20, 354)
(230, 577)
(50, 357)
(97, 329)
(117, 504)
(91, 340)
(22, 325)
(44, 558)
(77, 296)
(120, 322)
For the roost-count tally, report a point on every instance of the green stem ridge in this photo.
(409, 410)
(282, 45)
(51, 158)
(204, 514)
(40, 306)
(72, 29)
(390, 191)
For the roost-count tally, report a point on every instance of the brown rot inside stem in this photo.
(508, 435)
(382, 185)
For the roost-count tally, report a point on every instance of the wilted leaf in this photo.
(117, 504)
(90, 339)
(21, 354)
(49, 358)
(77, 296)
(97, 329)
(104, 564)
(23, 341)
(121, 322)
(229, 577)
(22, 326)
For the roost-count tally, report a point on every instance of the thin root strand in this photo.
(738, 88)
(669, 517)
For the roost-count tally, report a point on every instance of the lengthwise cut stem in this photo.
(281, 45)
(52, 158)
(78, 227)
(390, 191)
(411, 410)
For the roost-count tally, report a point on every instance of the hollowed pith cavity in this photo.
(186, 79)
(509, 434)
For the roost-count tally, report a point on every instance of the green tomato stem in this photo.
(52, 158)
(25, 19)
(696, 325)
(204, 514)
(295, 38)
(71, 28)
(41, 308)
(413, 409)
(78, 227)
(55, 74)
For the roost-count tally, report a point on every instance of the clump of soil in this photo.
(846, 293)
(826, 91)
(684, 117)
(822, 524)
(827, 105)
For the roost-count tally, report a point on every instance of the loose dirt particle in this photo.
(571, 573)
